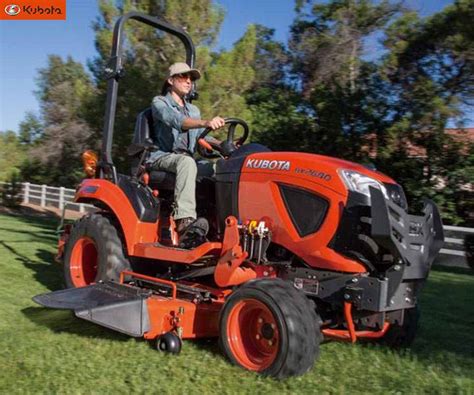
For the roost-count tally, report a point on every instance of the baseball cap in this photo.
(183, 68)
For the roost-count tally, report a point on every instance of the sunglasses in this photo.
(183, 76)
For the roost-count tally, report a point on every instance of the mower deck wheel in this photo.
(93, 252)
(169, 342)
(269, 327)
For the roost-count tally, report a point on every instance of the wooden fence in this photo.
(47, 196)
(453, 252)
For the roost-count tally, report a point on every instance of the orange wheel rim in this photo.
(83, 262)
(253, 334)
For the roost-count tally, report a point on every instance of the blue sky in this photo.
(24, 45)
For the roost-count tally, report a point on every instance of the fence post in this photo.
(26, 193)
(61, 198)
(81, 208)
(43, 196)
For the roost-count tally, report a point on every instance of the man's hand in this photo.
(215, 123)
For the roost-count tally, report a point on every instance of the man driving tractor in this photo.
(178, 124)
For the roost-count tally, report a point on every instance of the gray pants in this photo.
(186, 170)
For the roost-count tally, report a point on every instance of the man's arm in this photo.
(191, 123)
(165, 114)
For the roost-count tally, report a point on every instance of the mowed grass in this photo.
(51, 351)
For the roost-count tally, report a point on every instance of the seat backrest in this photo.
(141, 136)
(143, 128)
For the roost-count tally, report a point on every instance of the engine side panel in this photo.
(260, 198)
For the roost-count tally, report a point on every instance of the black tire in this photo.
(93, 252)
(402, 336)
(169, 342)
(291, 329)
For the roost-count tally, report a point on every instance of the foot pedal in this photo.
(119, 307)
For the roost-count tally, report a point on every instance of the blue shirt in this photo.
(168, 117)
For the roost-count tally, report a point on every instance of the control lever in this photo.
(203, 143)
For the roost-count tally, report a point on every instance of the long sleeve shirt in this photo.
(168, 118)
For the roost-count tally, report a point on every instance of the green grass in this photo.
(51, 351)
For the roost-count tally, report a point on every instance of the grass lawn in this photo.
(51, 351)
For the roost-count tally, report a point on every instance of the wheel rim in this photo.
(83, 262)
(253, 334)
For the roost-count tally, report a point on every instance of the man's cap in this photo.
(183, 68)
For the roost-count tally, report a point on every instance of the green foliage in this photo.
(429, 66)
(327, 41)
(10, 193)
(12, 154)
(31, 129)
(227, 78)
(57, 141)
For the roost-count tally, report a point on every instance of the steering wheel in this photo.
(227, 146)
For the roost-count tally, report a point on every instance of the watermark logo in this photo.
(33, 9)
(12, 9)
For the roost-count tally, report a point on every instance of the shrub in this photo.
(10, 194)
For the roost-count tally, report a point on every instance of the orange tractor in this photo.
(300, 247)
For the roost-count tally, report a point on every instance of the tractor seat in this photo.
(160, 179)
(142, 138)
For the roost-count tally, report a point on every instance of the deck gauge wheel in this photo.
(169, 342)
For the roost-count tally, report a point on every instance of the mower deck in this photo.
(147, 307)
(114, 306)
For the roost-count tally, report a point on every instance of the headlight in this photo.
(359, 182)
(397, 195)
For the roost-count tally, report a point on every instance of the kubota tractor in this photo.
(301, 247)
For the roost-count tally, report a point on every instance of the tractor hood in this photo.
(320, 169)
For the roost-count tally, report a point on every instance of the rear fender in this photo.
(108, 193)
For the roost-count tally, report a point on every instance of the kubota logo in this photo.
(32, 10)
(12, 9)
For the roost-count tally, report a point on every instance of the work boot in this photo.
(195, 234)
(182, 224)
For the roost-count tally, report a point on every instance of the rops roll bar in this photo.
(114, 71)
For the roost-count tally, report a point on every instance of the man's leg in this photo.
(185, 188)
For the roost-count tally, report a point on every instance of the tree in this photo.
(12, 154)
(227, 77)
(327, 40)
(31, 129)
(429, 66)
(331, 96)
(10, 193)
(279, 118)
(57, 142)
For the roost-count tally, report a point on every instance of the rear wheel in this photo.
(269, 327)
(93, 252)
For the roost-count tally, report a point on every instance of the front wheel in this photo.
(269, 327)
(403, 335)
(93, 252)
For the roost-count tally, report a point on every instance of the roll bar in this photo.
(114, 71)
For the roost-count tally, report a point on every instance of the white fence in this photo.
(47, 196)
(453, 252)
